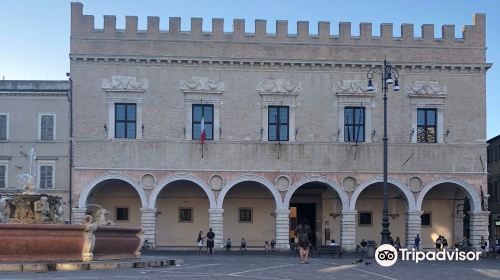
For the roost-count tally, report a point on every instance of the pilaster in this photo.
(216, 221)
(413, 227)
(148, 224)
(282, 217)
(479, 222)
(348, 230)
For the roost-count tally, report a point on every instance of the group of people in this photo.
(210, 242)
(441, 243)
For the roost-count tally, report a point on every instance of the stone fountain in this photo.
(32, 229)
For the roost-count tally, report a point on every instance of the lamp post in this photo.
(387, 72)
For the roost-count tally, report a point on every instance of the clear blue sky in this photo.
(35, 34)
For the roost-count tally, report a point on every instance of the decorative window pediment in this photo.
(124, 83)
(426, 89)
(201, 85)
(279, 86)
(354, 88)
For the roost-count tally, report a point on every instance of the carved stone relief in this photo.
(124, 83)
(349, 184)
(426, 88)
(279, 86)
(216, 182)
(201, 84)
(415, 184)
(353, 87)
(282, 183)
(148, 181)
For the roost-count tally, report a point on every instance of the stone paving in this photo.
(281, 267)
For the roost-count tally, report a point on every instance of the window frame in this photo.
(39, 173)
(371, 218)
(426, 125)
(6, 177)
(40, 115)
(128, 214)
(278, 129)
(126, 121)
(354, 125)
(193, 122)
(240, 209)
(7, 120)
(179, 220)
(430, 219)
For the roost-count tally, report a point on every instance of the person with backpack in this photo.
(304, 233)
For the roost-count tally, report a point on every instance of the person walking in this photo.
(417, 242)
(304, 232)
(199, 242)
(210, 241)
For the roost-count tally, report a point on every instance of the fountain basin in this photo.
(113, 242)
(52, 242)
(42, 242)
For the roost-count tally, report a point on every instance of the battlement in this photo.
(83, 26)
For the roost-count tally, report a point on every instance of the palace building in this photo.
(291, 130)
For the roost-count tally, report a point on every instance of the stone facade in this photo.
(316, 77)
(22, 107)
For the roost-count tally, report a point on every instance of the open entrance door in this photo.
(298, 211)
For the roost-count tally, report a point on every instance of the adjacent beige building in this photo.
(35, 115)
(140, 97)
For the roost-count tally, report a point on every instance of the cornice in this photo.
(315, 65)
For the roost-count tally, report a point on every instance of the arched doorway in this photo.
(321, 204)
(249, 212)
(368, 201)
(182, 208)
(119, 197)
(446, 206)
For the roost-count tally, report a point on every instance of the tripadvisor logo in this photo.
(386, 255)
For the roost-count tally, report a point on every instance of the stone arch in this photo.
(321, 179)
(250, 178)
(181, 177)
(82, 201)
(410, 199)
(466, 187)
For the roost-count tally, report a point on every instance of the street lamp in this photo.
(387, 72)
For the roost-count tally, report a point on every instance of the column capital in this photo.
(415, 212)
(148, 210)
(349, 212)
(215, 211)
(282, 212)
(479, 213)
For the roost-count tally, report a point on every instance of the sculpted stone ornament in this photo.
(201, 84)
(89, 238)
(28, 183)
(124, 83)
(353, 87)
(5, 209)
(42, 209)
(279, 86)
(426, 88)
(100, 217)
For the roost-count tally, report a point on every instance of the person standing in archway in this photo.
(210, 241)
(304, 233)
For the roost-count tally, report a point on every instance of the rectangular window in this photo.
(278, 123)
(206, 112)
(365, 218)
(47, 127)
(3, 127)
(354, 124)
(425, 219)
(3, 176)
(122, 214)
(185, 215)
(46, 176)
(125, 120)
(426, 125)
(245, 215)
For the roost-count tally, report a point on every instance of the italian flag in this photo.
(202, 126)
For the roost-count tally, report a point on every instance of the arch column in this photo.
(282, 217)
(216, 222)
(78, 215)
(348, 230)
(148, 224)
(413, 227)
(479, 221)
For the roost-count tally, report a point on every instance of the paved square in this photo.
(281, 267)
